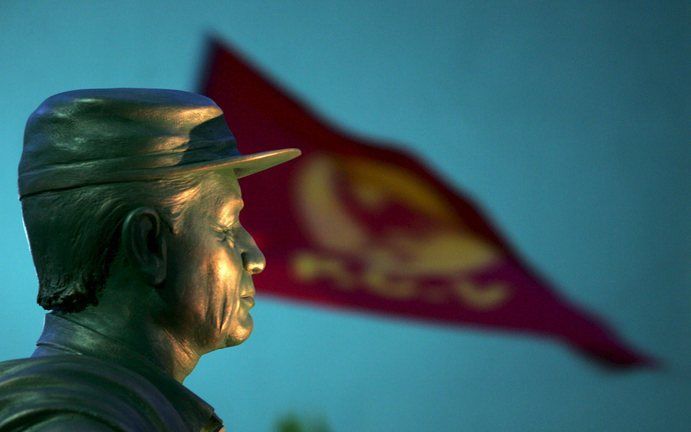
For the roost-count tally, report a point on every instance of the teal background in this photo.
(567, 121)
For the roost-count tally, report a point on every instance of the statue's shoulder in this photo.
(41, 389)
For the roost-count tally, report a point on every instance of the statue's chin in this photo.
(239, 334)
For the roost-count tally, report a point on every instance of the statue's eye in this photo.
(228, 234)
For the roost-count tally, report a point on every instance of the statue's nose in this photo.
(253, 259)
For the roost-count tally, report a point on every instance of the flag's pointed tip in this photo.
(640, 362)
(623, 359)
(214, 39)
(647, 362)
(214, 44)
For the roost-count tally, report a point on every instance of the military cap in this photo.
(89, 137)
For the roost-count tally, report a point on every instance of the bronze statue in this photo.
(131, 203)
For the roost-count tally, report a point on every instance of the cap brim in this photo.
(245, 165)
(60, 178)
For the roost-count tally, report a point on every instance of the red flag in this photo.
(355, 223)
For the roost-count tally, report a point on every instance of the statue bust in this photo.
(131, 204)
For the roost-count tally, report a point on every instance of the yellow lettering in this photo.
(378, 283)
(310, 267)
(482, 297)
(434, 294)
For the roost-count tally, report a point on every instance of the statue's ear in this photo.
(144, 245)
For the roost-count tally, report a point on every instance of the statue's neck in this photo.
(130, 321)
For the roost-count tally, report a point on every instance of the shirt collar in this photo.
(63, 336)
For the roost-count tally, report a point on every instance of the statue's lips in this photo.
(249, 301)
(248, 297)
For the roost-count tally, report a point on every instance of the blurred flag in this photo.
(355, 223)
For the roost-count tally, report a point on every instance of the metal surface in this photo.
(131, 204)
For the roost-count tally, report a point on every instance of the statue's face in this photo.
(211, 261)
